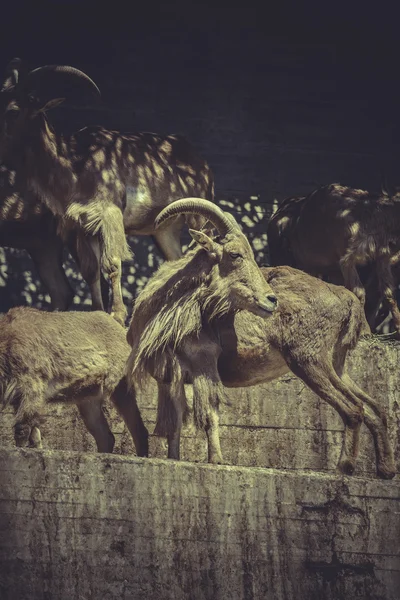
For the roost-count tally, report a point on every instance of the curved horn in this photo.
(199, 206)
(12, 74)
(38, 77)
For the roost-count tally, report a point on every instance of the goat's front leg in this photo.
(85, 250)
(49, 264)
(118, 309)
(208, 390)
(387, 286)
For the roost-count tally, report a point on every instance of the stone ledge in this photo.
(77, 525)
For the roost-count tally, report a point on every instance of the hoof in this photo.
(385, 472)
(216, 460)
(347, 466)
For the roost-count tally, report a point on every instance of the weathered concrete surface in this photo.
(281, 425)
(77, 526)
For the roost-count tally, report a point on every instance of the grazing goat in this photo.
(337, 231)
(103, 183)
(66, 357)
(200, 317)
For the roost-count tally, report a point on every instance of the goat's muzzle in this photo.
(270, 304)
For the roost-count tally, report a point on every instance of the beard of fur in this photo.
(174, 306)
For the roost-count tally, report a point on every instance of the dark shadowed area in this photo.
(278, 99)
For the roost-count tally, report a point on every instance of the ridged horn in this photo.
(199, 206)
(43, 76)
(12, 74)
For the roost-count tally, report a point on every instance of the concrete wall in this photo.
(80, 526)
(84, 526)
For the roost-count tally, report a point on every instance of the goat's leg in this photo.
(118, 309)
(35, 438)
(29, 410)
(85, 250)
(387, 286)
(350, 275)
(125, 402)
(201, 355)
(92, 414)
(27, 432)
(212, 431)
(318, 378)
(49, 265)
(168, 239)
(171, 413)
(205, 408)
(375, 420)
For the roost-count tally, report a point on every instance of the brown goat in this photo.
(337, 232)
(66, 357)
(103, 183)
(198, 317)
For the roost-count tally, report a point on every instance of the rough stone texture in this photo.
(282, 425)
(84, 526)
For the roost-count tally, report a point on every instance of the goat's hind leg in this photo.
(28, 413)
(319, 378)
(125, 402)
(91, 411)
(375, 420)
(172, 411)
(351, 277)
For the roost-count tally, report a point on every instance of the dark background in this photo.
(279, 98)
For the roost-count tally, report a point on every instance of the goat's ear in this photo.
(51, 104)
(206, 242)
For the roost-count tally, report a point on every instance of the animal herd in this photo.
(210, 316)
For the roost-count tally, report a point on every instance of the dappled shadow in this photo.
(19, 283)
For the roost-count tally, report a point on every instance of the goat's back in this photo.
(64, 347)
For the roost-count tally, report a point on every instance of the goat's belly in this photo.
(251, 365)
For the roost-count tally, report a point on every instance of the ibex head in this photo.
(25, 96)
(238, 276)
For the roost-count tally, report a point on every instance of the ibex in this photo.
(336, 232)
(103, 183)
(215, 317)
(74, 357)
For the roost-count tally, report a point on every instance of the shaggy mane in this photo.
(172, 307)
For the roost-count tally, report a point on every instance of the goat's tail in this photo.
(106, 221)
(124, 398)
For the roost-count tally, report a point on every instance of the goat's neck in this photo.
(48, 166)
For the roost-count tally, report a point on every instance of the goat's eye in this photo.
(235, 255)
